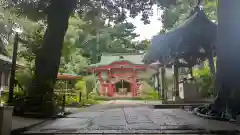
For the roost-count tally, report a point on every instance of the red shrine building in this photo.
(119, 74)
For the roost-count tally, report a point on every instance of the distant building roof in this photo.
(108, 58)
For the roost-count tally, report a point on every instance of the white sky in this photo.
(149, 30)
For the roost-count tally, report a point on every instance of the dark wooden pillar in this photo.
(7, 75)
(163, 83)
(0, 79)
(191, 71)
(158, 84)
(176, 80)
(3, 78)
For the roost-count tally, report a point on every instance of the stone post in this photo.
(6, 120)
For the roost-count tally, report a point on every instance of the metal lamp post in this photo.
(156, 65)
(13, 66)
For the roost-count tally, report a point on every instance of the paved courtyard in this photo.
(134, 120)
(131, 102)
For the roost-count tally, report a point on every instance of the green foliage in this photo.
(87, 97)
(93, 95)
(148, 93)
(70, 100)
(24, 77)
(18, 94)
(176, 12)
(81, 86)
(75, 100)
(98, 39)
(90, 83)
(204, 82)
(143, 45)
(63, 84)
(151, 94)
(72, 60)
(28, 49)
(210, 8)
(89, 101)
(113, 10)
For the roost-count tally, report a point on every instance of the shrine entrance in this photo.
(123, 88)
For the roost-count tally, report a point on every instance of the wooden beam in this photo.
(176, 80)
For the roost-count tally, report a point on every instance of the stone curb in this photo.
(20, 131)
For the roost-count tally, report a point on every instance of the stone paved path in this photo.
(20, 122)
(133, 120)
(131, 102)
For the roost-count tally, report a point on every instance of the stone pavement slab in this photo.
(132, 102)
(112, 119)
(20, 122)
(134, 120)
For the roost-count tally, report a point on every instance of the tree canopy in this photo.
(176, 11)
(87, 33)
(115, 11)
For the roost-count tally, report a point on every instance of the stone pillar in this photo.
(3, 79)
(6, 120)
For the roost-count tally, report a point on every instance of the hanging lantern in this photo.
(104, 75)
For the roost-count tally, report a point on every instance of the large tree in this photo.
(57, 14)
(226, 105)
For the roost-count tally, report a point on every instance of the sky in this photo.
(149, 30)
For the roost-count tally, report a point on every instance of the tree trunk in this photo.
(228, 46)
(48, 57)
(228, 64)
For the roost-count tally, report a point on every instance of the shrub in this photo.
(71, 100)
(90, 83)
(81, 86)
(105, 98)
(24, 78)
(204, 82)
(89, 102)
(150, 95)
(92, 95)
(86, 96)
(148, 92)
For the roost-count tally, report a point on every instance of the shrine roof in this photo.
(108, 58)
